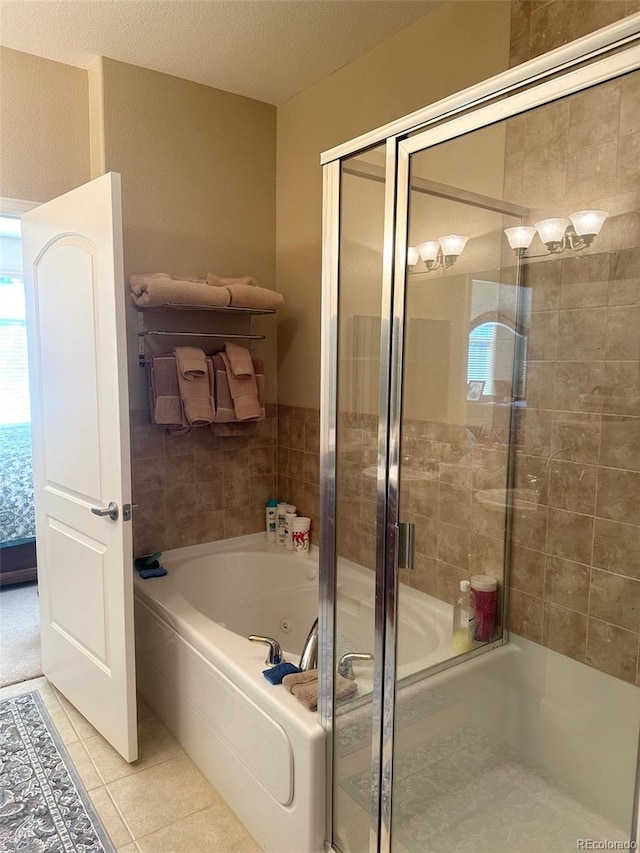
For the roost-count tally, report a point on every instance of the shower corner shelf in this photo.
(176, 306)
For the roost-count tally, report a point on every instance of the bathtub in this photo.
(256, 743)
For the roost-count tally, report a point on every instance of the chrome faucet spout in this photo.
(309, 657)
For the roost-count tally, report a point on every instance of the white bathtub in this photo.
(255, 742)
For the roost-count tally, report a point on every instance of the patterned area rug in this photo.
(44, 807)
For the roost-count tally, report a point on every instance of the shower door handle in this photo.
(112, 510)
(406, 544)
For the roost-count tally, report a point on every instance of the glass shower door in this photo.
(510, 400)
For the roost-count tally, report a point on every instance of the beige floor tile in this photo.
(144, 709)
(160, 795)
(63, 725)
(155, 744)
(40, 684)
(129, 848)
(110, 817)
(82, 726)
(85, 766)
(212, 830)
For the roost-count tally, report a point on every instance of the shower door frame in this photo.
(559, 73)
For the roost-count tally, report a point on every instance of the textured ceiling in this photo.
(264, 49)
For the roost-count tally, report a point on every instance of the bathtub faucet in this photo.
(309, 657)
(274, 656)
(346, 662)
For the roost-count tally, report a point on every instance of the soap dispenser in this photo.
(464, 619)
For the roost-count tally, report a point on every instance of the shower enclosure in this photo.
(481, 416)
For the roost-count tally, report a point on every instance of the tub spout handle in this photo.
(274, 656)
(345, 665)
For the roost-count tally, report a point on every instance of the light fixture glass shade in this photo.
(412, 256)
(521, 236)
(453, 244)
(552, 230)
(588, 222)
(429, 251)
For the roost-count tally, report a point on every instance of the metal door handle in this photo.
(112, 510)
(406, 545)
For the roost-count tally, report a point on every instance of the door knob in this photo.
(112, 510)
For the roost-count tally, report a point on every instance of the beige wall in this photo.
(198, 179)
(441, 53)
(44, 127)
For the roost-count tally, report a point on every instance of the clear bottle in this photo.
(464, 619)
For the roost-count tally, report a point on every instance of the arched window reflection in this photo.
(492, 352)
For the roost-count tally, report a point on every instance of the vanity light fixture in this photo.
(559, 234)
(443, 252)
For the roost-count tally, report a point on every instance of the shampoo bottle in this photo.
(464, 619)
(272, 520)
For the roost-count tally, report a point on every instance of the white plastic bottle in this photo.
(272, 520)
(464, 619)
(281, 510)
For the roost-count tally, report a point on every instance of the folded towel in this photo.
(214, 280)
(246, 296)
(164, 392)
(225, 412)
(244, 392)
(194, 388)
(276, 673)
(159, 289)
(240, 360)
(191, 362)
(167, 411)
(304, 686)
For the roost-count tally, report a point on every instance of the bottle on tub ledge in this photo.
(301, 534)
(272, 520)
(464, 619)
(290, 514)
(282, 519)
(485, 590)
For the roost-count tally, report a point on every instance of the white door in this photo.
(80, 421)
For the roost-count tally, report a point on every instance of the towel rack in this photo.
(143, 333)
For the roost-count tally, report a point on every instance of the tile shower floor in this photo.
(466, 792)
(160, 803)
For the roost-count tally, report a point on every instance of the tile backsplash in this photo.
(200, 486)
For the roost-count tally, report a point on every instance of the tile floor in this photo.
(160, 803)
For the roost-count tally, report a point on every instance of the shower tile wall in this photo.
(299, 462)
(200, 487)
(575, 572)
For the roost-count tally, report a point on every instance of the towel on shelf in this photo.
(214, 280)
(158, 289)
(260, 298)
(164, 392)
(191, 362)
(244, 393)
(225, 413)
(240, 360)
(194, 386)
(304, 686)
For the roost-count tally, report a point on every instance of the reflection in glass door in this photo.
(508, 382)
(504, 473)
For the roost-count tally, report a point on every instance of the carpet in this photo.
(44, 807)
(19, 634)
